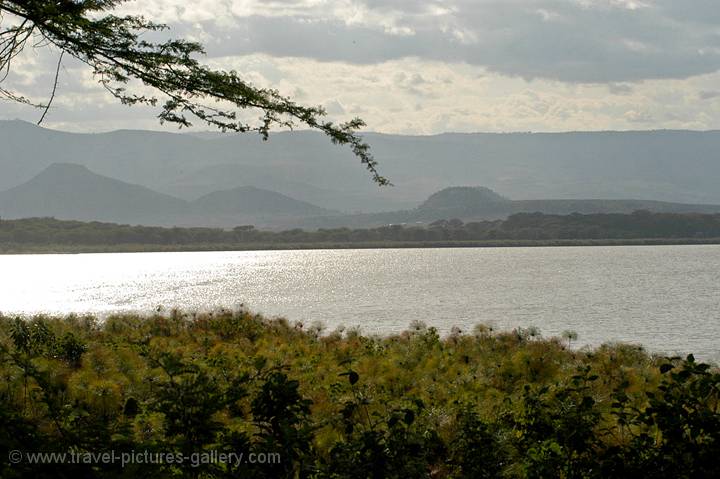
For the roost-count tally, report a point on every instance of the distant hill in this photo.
(73, 192)
(565, 207)
(68, 191)
(247, 204)
(255, 201)
(463, 201)
(481, 203)
(671, 166)
(304, 166)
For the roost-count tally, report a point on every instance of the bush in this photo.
(346, 406)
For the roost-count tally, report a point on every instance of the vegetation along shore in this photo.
(343, 405)
(49, 235)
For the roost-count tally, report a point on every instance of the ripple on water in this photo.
(664, 297)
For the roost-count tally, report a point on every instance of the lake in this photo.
(666, 298)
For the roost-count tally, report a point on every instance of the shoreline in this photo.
(18, 249)
(532, 332)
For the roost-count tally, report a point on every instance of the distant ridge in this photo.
(666, 165)
(470, 199)
(484, 203)
(73, 192)
(479, 203)
(256, 201)
(69, 191)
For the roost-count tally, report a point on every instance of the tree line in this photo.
(521, 226)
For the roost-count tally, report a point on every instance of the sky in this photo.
(433, 66)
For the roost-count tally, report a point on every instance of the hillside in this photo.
(302, 165)
(671, 166)
(70, 191)
(73, 192)
(248, 200)
(481, 203)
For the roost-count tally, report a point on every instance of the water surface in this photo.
(666, 298)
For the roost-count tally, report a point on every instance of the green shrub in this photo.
(345, 405)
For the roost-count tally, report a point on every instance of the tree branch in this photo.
(112, 47)
(55, 84)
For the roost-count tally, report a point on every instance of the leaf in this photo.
(260, 363)
(353, 377)
(664, 368)
(409, 416)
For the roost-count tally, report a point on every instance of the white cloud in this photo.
(568, 40)
(441, 65)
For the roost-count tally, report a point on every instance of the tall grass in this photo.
(341, 404)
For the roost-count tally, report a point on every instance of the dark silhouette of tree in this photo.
(21, 234)
(116, 49)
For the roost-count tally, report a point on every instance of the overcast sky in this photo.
(434, 66)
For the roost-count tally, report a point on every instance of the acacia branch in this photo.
(111, 46)
(55, 84)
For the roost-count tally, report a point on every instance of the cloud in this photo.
(709, 94)
(414, 96)
(334, 107)
(620, 88)
(582, 41)
(429, 67)
(635, 116)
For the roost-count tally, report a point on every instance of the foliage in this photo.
(119, 53)
(344, 405)
(40, 232)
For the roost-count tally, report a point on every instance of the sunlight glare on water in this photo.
(666, 298)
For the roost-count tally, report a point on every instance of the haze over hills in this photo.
(305, 165)
(673, 166)
(464, 201)
(73, 192)
(68, 191)
(480, 203)
(247, 204)
(251, 199)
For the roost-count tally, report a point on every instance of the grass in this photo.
(477, 403)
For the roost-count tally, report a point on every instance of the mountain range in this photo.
(670, 166)
(73, 192)
(69, 191)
